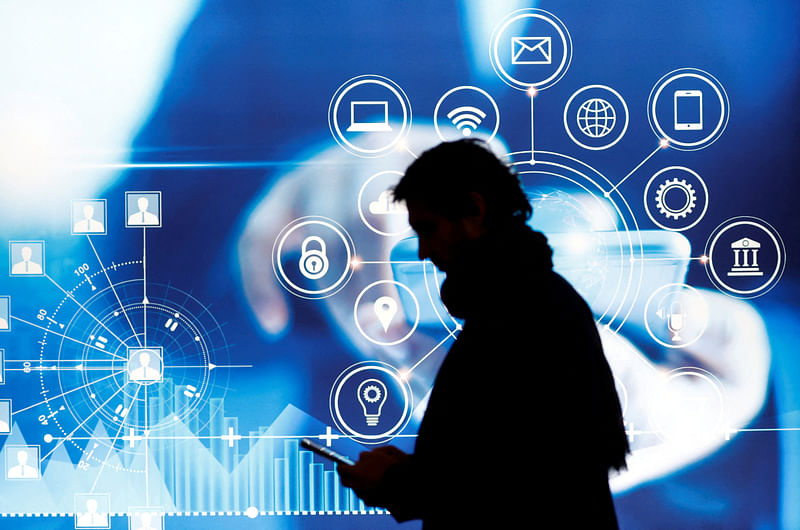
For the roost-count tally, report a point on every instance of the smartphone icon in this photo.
(688, 110)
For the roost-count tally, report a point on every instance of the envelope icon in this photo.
(531, 50)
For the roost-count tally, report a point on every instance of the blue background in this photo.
(252, 80)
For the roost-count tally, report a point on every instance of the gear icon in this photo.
(371, 394)
(688, 205)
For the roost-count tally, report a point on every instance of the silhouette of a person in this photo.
(3, 323)
(92, 518)
(26, 266)
(528, 359)
(22, 469)
(143, 217)
(144, 372)
(88, 224)
(4, 427)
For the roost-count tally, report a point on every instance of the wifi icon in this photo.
(466, 119)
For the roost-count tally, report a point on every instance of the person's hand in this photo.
(365, 477)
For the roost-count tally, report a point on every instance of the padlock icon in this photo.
(313, 262)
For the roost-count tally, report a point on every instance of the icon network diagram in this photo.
(143, 360)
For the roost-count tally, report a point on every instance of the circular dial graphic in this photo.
(126, 362)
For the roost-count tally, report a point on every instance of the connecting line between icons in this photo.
(81, 368)
(113, 290)
(412, 153)
(145, 301)
(632, 433)
(632, 171)
(111, 447)
(193, 165)
(66, 337)
(71, 297)
(533, 161)
(227, 437)
(210, 366)
(146, 447)
(67, 392)
(55, 368)
(675, 258)
(231, 513)
(449, 335)
(389, 262)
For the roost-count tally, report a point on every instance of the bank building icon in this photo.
(745, 258)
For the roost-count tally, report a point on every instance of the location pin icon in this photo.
(385, 309)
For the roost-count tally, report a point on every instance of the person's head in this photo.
(22, 457)
(91, 505)
(27, 253)
(143, 204)
(456, 193)
(144, 359)
(88, 211)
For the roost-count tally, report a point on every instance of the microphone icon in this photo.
(676, 321)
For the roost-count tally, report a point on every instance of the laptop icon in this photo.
(369, 116)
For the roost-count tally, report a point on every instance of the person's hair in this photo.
(443, 177)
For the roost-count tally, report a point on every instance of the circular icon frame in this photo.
(378, 368)
(619, 135)
(666, 290)
(774, 276)
(461, 89)
(691, 199)
(563, 35)
(338, 97)
(291, 286)
(399, 286)
(677, 75)
(363, 215)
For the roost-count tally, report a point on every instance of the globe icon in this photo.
(596, 117)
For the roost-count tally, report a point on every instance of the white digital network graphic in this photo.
(465, 111)
(320, 241)
(661, 204)
(676, 315)
(746, 257)
(531, 49)
(115, 342)
(689, 108)
(601, 249)
(596, 117)
(371, 402)
(369, 115)
(374, 304)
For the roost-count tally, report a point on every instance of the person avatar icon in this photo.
(92, 518)
(5, 416)
(143, 217)
(26, 266)
(144, 371)
(146, 521)
(88, 225)
(22, 470)
(5, 301)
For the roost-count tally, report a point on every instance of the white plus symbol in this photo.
(230, 437)
(328, 436)
(131, 437)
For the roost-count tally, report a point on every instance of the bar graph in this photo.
(201, 464)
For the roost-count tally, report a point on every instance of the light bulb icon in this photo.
(372, 395)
